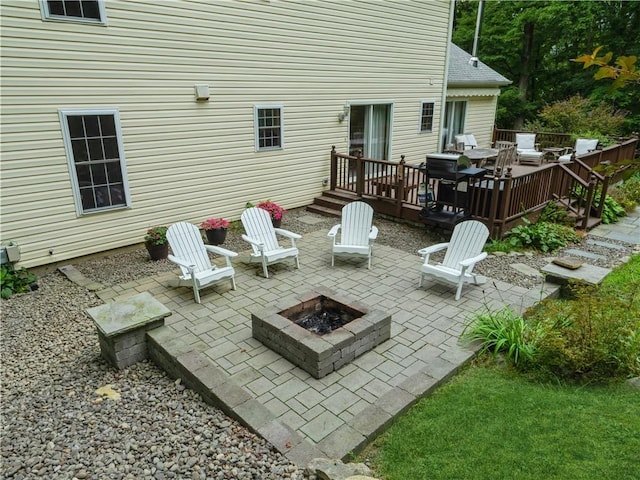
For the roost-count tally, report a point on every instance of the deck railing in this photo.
(544, 139)
(398, 188)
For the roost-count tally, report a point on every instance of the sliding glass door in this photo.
(454, 120)
(370, 130)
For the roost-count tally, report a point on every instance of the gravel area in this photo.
(57, 424)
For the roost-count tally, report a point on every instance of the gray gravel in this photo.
(55, 424)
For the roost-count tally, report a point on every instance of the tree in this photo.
(532, 43)
(623, 70)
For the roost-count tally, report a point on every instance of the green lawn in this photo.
(489, 423)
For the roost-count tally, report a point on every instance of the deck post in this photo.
(589, 201)
(400, 186)
(359, 174)
(333, 173)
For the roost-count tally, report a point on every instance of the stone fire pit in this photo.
(321, 354)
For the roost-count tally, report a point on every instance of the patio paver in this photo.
(211, 348)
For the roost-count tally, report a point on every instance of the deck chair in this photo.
(463, 251)
(582, 146)
(357, 233)
(261, 234)
(528, 153)
(467, 141)
(506, 157)
(190, 253)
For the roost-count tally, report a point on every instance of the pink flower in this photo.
(214, 223)
(275, 210)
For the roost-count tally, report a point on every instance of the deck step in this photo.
(330, 203)
(327, 212)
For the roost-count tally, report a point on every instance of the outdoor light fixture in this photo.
(343, 114)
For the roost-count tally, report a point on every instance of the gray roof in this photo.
(463, 74)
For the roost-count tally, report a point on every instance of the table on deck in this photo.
(479, 156)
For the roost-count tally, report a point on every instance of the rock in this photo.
(568, 262)
(332, 469)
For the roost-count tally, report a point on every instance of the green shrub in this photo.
(553, 213)
(14, 281)
(627, 194)
(581, 117)
(503, 332)
(612, 210)
(543, 236)
(596, 335)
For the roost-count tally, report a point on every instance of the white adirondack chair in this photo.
(357, 233)
(464, 250)
(190, 253)
(261, 234)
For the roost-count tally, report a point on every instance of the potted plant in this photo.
(156, 243)
(275, 211)
(215, 229)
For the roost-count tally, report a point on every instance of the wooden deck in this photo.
(499, 200)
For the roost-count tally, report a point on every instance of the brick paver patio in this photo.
(211, 348)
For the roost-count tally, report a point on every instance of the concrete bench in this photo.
(122, 327)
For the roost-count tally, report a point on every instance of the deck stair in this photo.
(330, 203)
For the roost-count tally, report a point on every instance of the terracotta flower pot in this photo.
(216, 236)
(157, 252)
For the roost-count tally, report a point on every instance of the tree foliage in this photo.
(533, 43)
(622, 71)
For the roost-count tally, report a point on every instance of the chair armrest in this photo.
(181, 262)
(287, 233)
(256, 243)
(536, 147)
(467, 262)
(334, 230)
(220, 251)
(373, 234)
(433, 248)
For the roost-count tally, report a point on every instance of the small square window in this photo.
(91, 11)
(268, 127)
(426, 116)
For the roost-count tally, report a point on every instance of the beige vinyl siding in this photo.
(480, 113)
(189, 160)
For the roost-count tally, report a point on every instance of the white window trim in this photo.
(47, 16)
(422, 102)
(63, 113)
(391, 116)
(256, 131)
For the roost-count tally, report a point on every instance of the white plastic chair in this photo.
(261, 234)
(357, 233)
(527, 148)
(190, 253)
(464, 250)
(582, 146)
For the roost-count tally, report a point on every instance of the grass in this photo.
(489, 423)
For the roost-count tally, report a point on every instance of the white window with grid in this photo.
(269, 131)
(88, 11)
(95, 154)
(427, 109)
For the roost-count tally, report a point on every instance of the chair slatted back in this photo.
(356, 221)
(258, 225)
(467, 241)
(506, 157)
(186, 243)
